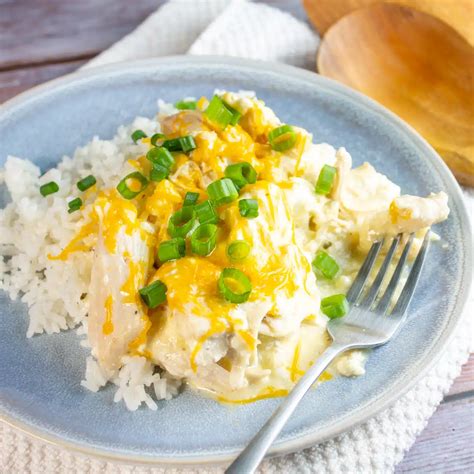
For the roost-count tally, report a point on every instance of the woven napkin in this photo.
(252, 30)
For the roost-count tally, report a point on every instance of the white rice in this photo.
(31, 227)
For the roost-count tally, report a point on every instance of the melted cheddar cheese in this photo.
(238, 353)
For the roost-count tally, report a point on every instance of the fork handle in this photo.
(249, 459)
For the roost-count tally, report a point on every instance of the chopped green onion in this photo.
(222, 191)
(234, 285)
(138, 135)
(218, 113)
(206, 213)
(171, 249)
(248, 208)
(334, 306)
(160, 156)
(172, 144)
(132, 185)
(154, 294)
(49, 188)
(238, 250)
(203, 239)
(323, 264)
(181, 222)
(74, 205)
(241, 174)
(282, 138)
(183, 144)
(86, 183)
(235, 114)
(159, 173)
(187, 143)
(186, 105)
(190, 199)
(325, 180)
(157, 136)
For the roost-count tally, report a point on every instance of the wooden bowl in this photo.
(417, 66)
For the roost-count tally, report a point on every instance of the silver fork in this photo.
(369, 323)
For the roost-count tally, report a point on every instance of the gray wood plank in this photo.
(465, 382)
(36, 31)
(16, 81)
(447, 443)
(39, 31)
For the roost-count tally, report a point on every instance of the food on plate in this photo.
(209, 245)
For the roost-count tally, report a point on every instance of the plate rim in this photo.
(415, 374)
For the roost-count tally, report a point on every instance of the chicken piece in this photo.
(214, 345)
(375, 206)
(121, 263)
(411, 213)
(343, 165)
(182, 123)
(365, 191)
(405, 214)
(221, 363)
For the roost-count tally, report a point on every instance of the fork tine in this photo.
(374, 289)
(359, 282)
(412, 280)
(384, 302)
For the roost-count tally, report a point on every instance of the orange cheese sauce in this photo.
(114, 214)
(397, 214)
(133, 282)
(269, 392)
(108, 326)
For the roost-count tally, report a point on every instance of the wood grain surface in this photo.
(398, 56)
(457, 13)
(43, 39)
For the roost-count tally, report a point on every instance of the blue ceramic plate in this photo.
(40, 378)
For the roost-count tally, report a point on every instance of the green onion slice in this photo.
(171, 249)
(206, 213)
(186, 105)
(203, 239)
(132, 185)
(235, 114)
(74, 205)
(238, 250)
(181, 222)
(334, 306)
(222, 191)
(138, 135)
(159, 173)
(241, 174)
(49, 188)
(282, 138)
(160, 156)
(234, 285)
(184, 144)
(323, 264)
(221, 113)
(325, 180)
(86, 183)
(190, 199)
(157, 136)
(172, 144)
(248, 208)
(187, 143)
(154, 294)
(218, 113)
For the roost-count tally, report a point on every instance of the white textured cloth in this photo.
(241, 28)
